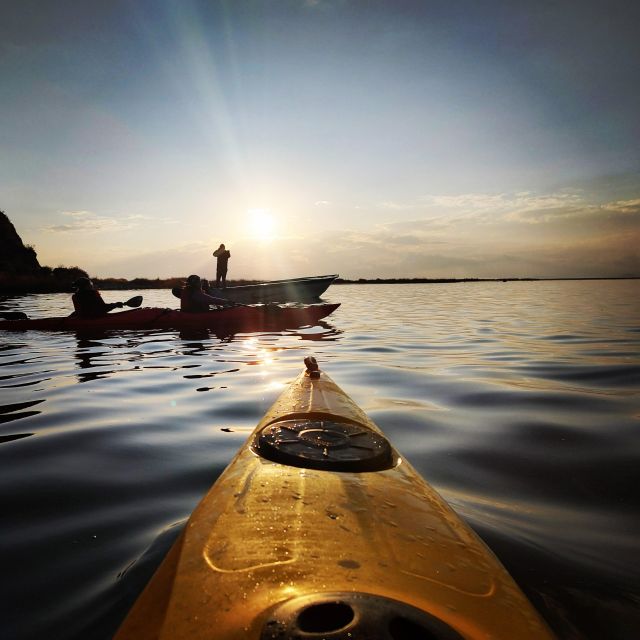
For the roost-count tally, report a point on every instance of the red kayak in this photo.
(241, 318)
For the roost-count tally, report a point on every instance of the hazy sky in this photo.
(371, 139)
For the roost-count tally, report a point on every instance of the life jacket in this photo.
(189, 304)
(88, 303)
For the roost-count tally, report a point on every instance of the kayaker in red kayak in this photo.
(194, 300)
(223, 255)
(88, 302)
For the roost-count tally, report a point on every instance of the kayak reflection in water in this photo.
(88, 302)
(194, 300)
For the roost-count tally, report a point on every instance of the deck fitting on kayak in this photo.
(324, 444)
(357, 616)
(313, 370)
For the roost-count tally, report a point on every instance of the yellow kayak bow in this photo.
(318, 528)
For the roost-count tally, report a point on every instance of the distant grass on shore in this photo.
(60, 281)
(63, 282)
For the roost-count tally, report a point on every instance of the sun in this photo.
(261, 224)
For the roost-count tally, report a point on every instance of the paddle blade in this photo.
(177, 292)
(136, 301)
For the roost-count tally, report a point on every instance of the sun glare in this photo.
(261, 224)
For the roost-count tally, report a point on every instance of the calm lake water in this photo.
(518, 401)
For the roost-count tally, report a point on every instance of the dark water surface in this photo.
(518, 401)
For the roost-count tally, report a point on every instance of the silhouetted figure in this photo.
(194, 300)
(223, 256)
(88, 302)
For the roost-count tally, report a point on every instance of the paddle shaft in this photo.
(136, 301)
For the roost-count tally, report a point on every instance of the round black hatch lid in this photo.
(324, 444)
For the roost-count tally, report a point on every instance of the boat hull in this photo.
(292, 290)
(250, 318)
(364, 547)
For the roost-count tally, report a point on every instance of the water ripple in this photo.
(518, 401)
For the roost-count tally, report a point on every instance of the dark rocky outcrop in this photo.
(15, 257)
(20, 271)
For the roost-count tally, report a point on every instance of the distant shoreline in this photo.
(19, 285)
(454, 280)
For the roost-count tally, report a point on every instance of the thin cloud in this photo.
(631, 207)
(89, 222)
(398, 206)
(444, 211)
(488, 219)
(517, 207)
(521, 208)
(321, 4)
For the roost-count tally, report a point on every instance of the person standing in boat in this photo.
(223, 255)
(194, 300)
(87, 301)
